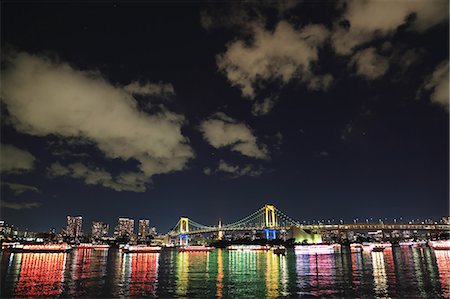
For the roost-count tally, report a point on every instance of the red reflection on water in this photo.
(407, 258)
(357, 268)
(80, 270)
(41, 274)
(322, 265)
(82, 265)
(144, 273)
(389, 260)
(443, 263)
(87, 268)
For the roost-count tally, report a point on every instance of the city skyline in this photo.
(208, 111)
(98, 229)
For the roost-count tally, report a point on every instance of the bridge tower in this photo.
(220, 233)
(183, 231)
(269, 212)
(270, 222)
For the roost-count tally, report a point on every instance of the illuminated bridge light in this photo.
(184, 225)
(269, 220)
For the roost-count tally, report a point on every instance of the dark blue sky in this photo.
(233, 106)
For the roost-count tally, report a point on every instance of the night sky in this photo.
(328, 110)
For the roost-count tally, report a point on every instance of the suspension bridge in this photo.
(271, 221)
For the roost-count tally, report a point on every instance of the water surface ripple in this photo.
(400, 272)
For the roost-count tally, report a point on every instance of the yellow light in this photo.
(184, 225)
(220, 234)
(269, 211)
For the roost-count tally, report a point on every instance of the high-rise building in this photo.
(124, 228)
(74, 226)
(153, 231)
(144, 228)
(99, 230)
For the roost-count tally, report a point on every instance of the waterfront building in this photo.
(99, 230)
(5, 230)
(74, 225)
(124, 228)
(144, 228)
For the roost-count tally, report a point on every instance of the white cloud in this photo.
(123, 182)
(225, 167)
(235, 171)
(15, 160)
(20, 188)
(160, 89)
(438, 83)
(406, 59)
(67, 153)
(284, 54)
(374, 18)
(19, 205)
(221, 130)
(263, 107)
(369, 64)
(45, 97)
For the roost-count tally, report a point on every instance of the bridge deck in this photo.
(356, 226)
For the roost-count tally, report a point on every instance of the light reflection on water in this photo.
(397, 272)
(379, 275)
(443, 263)
(46, 268)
